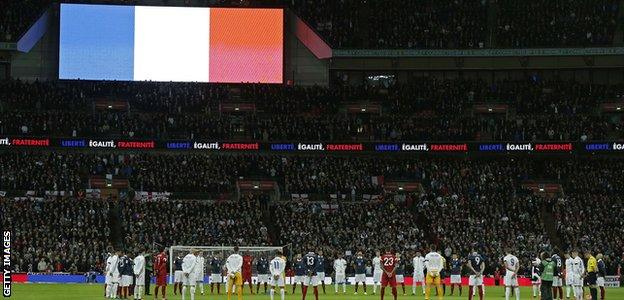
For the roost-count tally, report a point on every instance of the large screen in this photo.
(109, 42)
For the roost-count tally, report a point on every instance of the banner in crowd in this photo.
(371, 147)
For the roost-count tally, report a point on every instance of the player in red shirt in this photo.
(389, 264)
(160, 271)
(247, 262)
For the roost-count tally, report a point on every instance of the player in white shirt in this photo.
(535, 278)
(112, 275)
(434, 263)
(578, 271)
(340, 268)
(512, 265)
(233, 266)
(199, 271)
(276, 268)
(189, 273)
(139, 274)
(376, 271)
(418, 262)
(569, 279)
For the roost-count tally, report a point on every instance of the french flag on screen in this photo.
(108, 42)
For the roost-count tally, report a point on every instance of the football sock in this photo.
(304, 291)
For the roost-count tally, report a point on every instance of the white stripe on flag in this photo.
(171, 43)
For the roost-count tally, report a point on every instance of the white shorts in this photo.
(191, 279)
(475, 280)
(536, 282)
(199, 278)
(340, 277)
(569, 279)
(216, 278)
(264, 278)
(377, 276)
(400, 279)
(320, 276)
(177, 276)
(455, 279)
(360, 278)
(115, 278)
(140, 279)
(277, 282)
(556, 281)
(419, 277)
(298, 278)
(511, 279)
(577, 280)
(600, 281)
(126, 280)
(310, 280)
(108, 279)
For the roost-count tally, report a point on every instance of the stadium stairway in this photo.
(268, 217)
(115, 218)
(548, 221)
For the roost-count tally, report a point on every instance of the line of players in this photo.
(387, 270)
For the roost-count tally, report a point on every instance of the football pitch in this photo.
(93, 291)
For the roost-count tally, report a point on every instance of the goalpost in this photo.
(222, 252)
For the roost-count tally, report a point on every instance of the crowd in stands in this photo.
(593, 190)
(425, 109)
(350, 227)
(194, 223)
(461, 24)
(56, 234)
(544, 23)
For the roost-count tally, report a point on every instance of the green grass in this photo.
(91, 291)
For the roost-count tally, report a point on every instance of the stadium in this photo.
(312, 149)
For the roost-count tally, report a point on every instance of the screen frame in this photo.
(283, 9)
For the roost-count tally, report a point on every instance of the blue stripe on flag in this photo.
(96, 42)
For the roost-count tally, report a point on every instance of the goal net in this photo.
(219, 255)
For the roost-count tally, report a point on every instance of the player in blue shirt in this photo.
(216, 270)
(320, 269)
(359, 264)
(311, 265)
(476, 267)
(456, 268)
(262, 266)
(299, 267)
